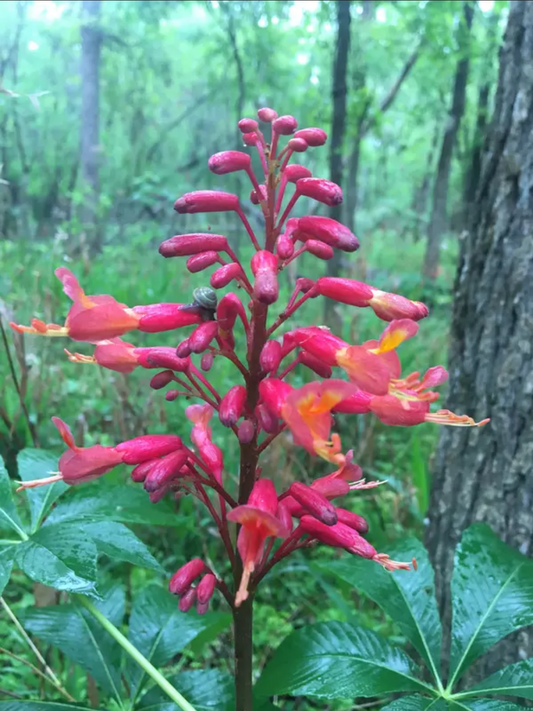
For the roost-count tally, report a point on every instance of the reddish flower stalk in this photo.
(259, 405)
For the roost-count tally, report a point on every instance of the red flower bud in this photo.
(228, 162)
(319, 249)
(250, 139)
(161, 380)
(141, 471)
(199, 262)
(229, 307)
(347, 291)
(183, 578)
(171, 395)
(255, 199)
(315, 364)
(247, 125)
(313, 501)
(329, 231)
(352, 520)
(265, 269)
(140, 449)
(285, 125)
(267, 421)
(312, 136)
(156, 318)
(267, 115)
(273, 393)
(165, 470)
(207, 361)
(161, 357)
(319, 341)
(183, 349)
(305, 285)
(232, 406)
(284, 247)
(202, 336)
(270, 357)
(393, 306)
(187, 600)
(246, 431)
(295, 172)
(322, 190)
(298, 145)
(206, 588)
(185, 245)
(338, 536)
(224, 275)
(284, 515)
(206, 201)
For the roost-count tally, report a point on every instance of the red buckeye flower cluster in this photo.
(259, 525)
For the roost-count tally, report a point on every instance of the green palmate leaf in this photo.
(408, 597)
(416, 703)
(99, 501)
(486, 705)
(7, 556)
(337, 660)
(205, 690)
(72, 630)
(62, 556)
(159, 630)
(38, 464)
(119, 543)
(492, 595)
(514, 680)
(40, 706)
(8, 513)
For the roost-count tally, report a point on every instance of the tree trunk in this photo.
(438, 222)
(90, 119)
(338, 125)
(487, 474)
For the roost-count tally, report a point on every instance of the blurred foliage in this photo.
(173, 78)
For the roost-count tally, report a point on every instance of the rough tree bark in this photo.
(437, 223)
(91, 41)
(487, 474)
(338, 125)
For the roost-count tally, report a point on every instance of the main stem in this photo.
(243, 615)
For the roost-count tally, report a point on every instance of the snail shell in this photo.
(205, 297)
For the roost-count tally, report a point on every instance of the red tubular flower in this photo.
(206, 201)
(266, 419)
(161, 380)
(284, 125)
(141, 449)
(274, 394)
(224, 275)
(185, 576)
(314, 503)
(322, 190)
(165, 470)
(200, 416)
(232, 406)
(392, 306)
(229, 161)
(199, 262)
(307, 412)
(202, 336)
(270, 357)
(265, 269)
(124, 357)
(91, 318)
(329, 231)
(258, 521)
(373, 365)
(161, 357)
(357, 404)
(352, 520)
(229, 308)
(285, 516)
(338, 536)
(312, 136)
(315, 364)
(347, 291)
(405, 411)
(247, 125)
(318, 341)
(267, 115)
(156, 318)
(197, 243)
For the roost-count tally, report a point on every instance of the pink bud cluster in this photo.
(261, 403)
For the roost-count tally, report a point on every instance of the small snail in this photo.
(205, 299)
